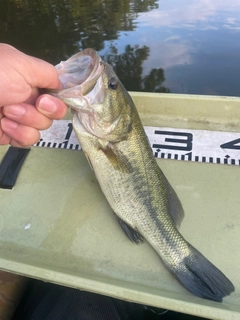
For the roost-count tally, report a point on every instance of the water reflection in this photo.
(182, 46)
(55, 30)
(129, 69)
(192, 14)
(198, 45)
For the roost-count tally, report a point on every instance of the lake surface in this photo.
(178, 46)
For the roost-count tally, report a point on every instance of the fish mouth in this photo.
(79, 74)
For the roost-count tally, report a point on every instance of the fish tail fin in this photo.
(202, 278)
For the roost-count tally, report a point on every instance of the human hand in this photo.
(23, 111)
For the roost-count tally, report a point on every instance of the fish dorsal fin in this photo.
(131, 233)
(175, 207)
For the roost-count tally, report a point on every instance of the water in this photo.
(178, 46)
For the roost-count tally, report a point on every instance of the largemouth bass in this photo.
(113, 139)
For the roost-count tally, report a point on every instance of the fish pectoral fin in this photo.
(131, 233)
(89, 161)
(117, 159)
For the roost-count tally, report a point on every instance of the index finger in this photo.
(51, 107)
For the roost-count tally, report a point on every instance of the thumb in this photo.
(42, 74)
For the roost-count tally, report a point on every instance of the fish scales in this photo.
(112, 137)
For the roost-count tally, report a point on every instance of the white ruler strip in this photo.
(168, 143)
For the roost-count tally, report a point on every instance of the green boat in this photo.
(57, 226)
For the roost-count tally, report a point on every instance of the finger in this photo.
(4, 138)
(33, 97)
(24, 135)
(51, 107)
(15, 143)
(27, 115)
(21, 73)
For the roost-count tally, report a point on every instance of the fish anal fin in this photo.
(117, 159)
(131, 233)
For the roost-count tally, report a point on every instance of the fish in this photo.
(112, 137)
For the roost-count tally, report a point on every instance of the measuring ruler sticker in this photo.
(59, 135)
(195, 145)
(167, 143)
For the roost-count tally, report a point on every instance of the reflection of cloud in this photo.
(174, 54)
(170, 54)
(231, 20)
(202, 14)
(171, 38)
(227, 26)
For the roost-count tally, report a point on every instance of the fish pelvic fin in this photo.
(131, 233)
(202, 278)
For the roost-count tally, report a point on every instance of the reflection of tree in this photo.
(54, 30)
(153, 81)
(144, 5)
(128, 67)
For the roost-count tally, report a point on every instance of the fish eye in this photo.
(113, 83)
